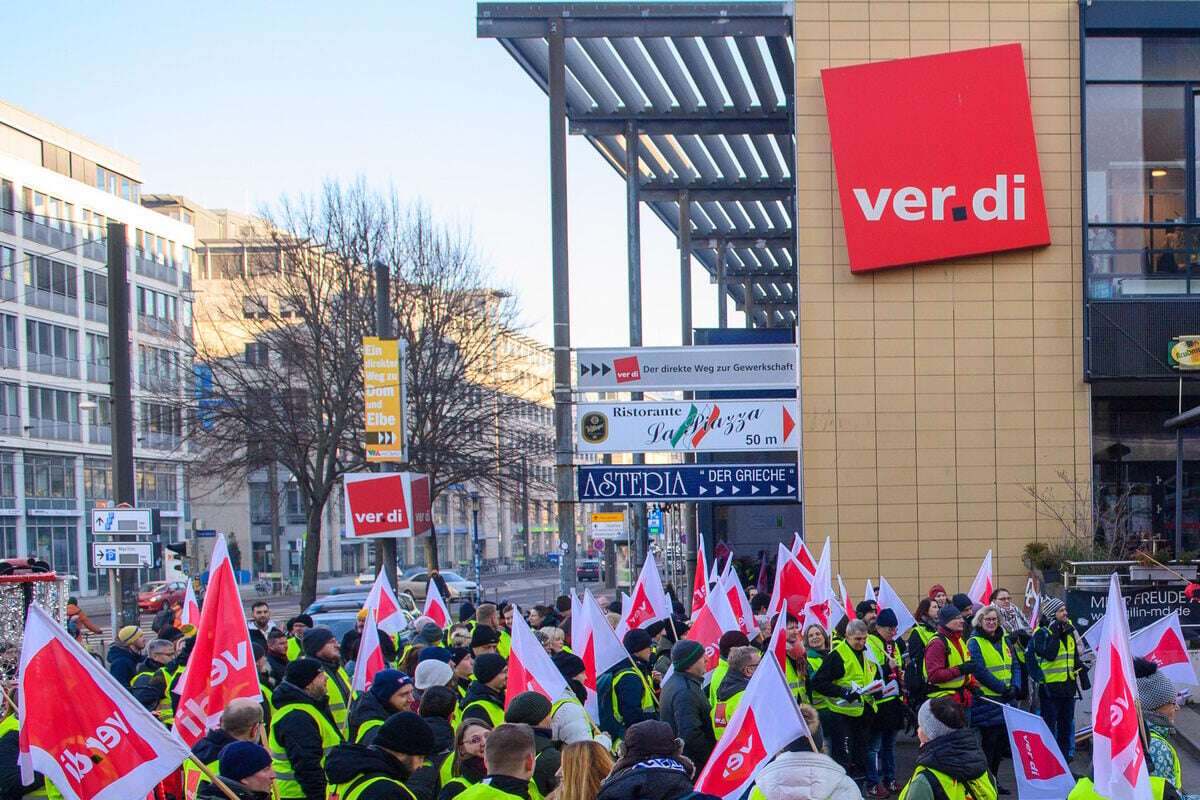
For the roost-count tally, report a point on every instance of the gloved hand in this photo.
(1085, 682)
(1007, 695)
(968, 668)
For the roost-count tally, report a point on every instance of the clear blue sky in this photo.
(236, 104)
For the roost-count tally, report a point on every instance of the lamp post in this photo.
(475, 544)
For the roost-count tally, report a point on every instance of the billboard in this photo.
(386, 504)
(383, 399)
(688, 426)
(644, 369)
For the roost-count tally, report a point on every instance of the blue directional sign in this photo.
(678, 483)
(654, 521)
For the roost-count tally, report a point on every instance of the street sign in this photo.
(678, 483)
(121, 521)
(700, 426)
(654, 521)
(115, 555)
(384, 399)
(608, 525)
(702, 368)
(598, 545)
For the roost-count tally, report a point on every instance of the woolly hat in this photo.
(649, 739)
(947, 614)
(315, 639)
(685, 653)
(457, 654)
(887, 619)
(962, 602)
(302, 671)
(935, 590)
(305, 618)
(406, 733)
(528, 707)
(1050, 606)
(434, 654)
(429, 633)
(432, 673)
(128, 634)
(240, 760)
(488, 666)
(483, 636)
(466, 611)
(865, 607)
(929, 722)
(258, 650)
(1154, 689)
(637, 640)
(568, 664)
(387, 682)
(728, 641)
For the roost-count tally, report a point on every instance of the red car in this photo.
(157, 595)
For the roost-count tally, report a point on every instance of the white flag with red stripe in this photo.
(699, 581)
(1042, 772)
(738, 601)
(869, 592)
(846, 606)
(766, 720)
(1118, 760)
(435, 606)
(889, 599)
(778, 644)
(369, 659)
(595, 642)
(802, 554)
(80, 727)
(648, 603)
(221, 668)
(576, 621)
(981, 587)
(382, 600)
(530, 668)
(793, 583)
(1163, 643)
(822, 605)
(715, 618)
(190, 613)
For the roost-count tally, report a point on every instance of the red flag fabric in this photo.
(766, 720)
(1118, 760)
(649, 602)
(530, 668)
(699, 582)
(383, 601)
(715, 619)
(792, 583)
(1041, 770)
(435, 606)
(190, 614)
(981, 587)
(370, 657)
(778, 643)
(221, 667)
(1163, 643)
(79, 727)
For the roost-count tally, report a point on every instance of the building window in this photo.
(6, 264)
(97, 480)
(54, 541)
(162, 426)
(49, 481)
(157, 486)
(52, 349)
(158, 369)
(53, 413)
(97, 358)
(257, 354)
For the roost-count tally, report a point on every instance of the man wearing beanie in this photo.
(1057, 668)
(296, 626)
(245, 769)
(125, 653)
(391, 768)
(948, 666)
(842, 673)
(569, 720)
(866, 610)
(485, 697)
(320, 643)
(627, 693)
(1160, 703)
(950, 762)
(728, 641)
(302, 730)
(684, 704)
(463, 663)
(965, 606)
(484, 639)
(889, 711)
(742, 663)
(391, 691)
(533, 709)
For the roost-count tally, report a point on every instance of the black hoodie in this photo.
(209, 791)
(209, 748)
(443, 734)
(346, 762)
(653, 779)
(297, 733)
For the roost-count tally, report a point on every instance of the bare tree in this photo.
(1094, 527)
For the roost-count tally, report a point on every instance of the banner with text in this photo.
(702, 368)
(387, 504)
(700, 426)
(383, 399)
(678, 483)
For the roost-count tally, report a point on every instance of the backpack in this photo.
(73, 626)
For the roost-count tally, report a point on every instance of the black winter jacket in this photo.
(364, 709)
(653, 779)
(685, 708)
(122, 663)
(209, 791)
(347, 762)
(479, 691)
(10, 773)
(298, 735)
(629, 693)
(209, 748)
(443, 734)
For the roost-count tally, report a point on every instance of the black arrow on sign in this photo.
(605, 369)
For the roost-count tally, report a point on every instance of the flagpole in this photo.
(208, 773)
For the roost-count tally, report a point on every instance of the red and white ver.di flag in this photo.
(700, 581)
(221, 667)
(766, 720)
(370, 657)
(649, 602)
(1118, 761)
(889, 599)
(981, 587)
(100, 743)
(793, 583)
(802, 554)
(597, 645)
(190, 614)
(715, 618)
(736, 595)
(530, 668)
(1041, 770)
(435, 606)
(1163, 643)
(778, 644)
(382, 600)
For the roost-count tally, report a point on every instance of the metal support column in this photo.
(125, 588)
(748, 305)
(685, 324)
(563, 433)
(722, 300)
(385, 549)
(633, 233)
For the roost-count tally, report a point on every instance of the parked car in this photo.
(414, 582)
(157, 595)
(340, 622)
(588, 569)
(353, 601)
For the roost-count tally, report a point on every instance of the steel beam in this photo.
(735, 194)
(694, 124)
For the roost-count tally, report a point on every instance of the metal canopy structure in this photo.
(706, 92)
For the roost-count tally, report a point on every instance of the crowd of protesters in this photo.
(438, 722)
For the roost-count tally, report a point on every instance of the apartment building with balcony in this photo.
(58, 191)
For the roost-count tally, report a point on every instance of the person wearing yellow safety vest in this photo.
(816, 648)
(151, 684)
(465, 766)
(887, 651)
(485, 697)
(950, 763)
(534, 710)
(265, 684)
(728, 641)
(796, 669)
(1060, 672)
(1159, 790)
(10, 773)
(631, 696)
(391, 692)
(844, 673)
(392, 768)
(245, 770)
(569, 720)
(484, 639)
(240, 722)
(1159, 700)
(319, 643)
(463, 663)
(296, 626)
(948, 669)
(742, 663)
(509, 754)
(277, 654)
(505, 630)
(1000, 680)
(486, 614)
(302, 732)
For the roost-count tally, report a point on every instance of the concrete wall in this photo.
(933, 396)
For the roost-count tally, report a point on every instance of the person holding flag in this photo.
(844, 675)
(1000, 681)
(816, 647)
(241, 721)
(1060, 671)
(320, 644)
(948, 666)
(889, 719)
(1160, 704)
(950, 762)
(631, 698)
(684, 703)
(390, 692)
(743, 661)
(302, 731)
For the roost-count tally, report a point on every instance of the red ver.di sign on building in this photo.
(387, 504)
